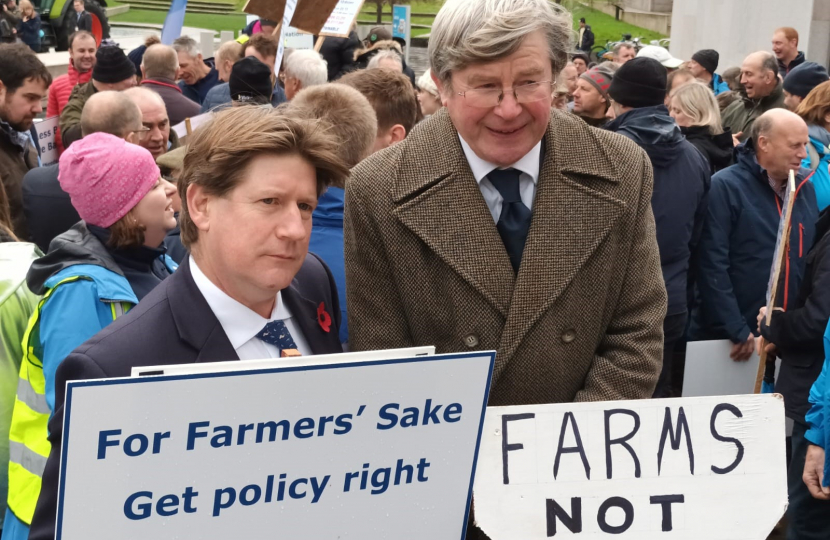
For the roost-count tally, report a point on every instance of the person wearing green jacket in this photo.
(762, 91)
(17, 303)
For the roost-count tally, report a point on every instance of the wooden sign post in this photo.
(781, 249)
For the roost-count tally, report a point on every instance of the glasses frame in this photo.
(504, 92)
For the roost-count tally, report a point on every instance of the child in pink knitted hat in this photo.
(93, 273)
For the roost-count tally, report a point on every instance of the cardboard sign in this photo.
(339, 23)
(46, 139)
(195, 123)
(309, 15)
(345, 449)
(677, 469)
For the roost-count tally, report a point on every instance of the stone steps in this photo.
(208, 8)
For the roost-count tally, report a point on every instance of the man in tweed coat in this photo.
(556, 267)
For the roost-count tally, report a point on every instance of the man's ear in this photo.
(441, 90)
(397, 134)
(2, 91)
(198, 207)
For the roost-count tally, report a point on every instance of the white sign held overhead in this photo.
(350, 448)
(678, 469)
(288, 14)
(47, 140)
(295, 39)
(339, 23)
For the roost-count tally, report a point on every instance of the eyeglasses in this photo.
(486, 98)
(143, 132)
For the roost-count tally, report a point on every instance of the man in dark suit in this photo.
(250, 289)
(500, 225)
(83, 20)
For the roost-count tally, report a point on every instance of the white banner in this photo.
(47, 140)
(368, 450)
(710, 468)
(295, 39)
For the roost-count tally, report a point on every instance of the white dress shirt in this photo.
(528, 165)
(241, 324)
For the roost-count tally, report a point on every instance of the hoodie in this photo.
(719, 150)
(327, 243)
(681, 184)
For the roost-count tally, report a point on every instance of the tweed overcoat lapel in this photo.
(440, 201)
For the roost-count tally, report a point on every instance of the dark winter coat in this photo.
(737, 246)
(197, 92)
(799, 332)
(29, 32)
(784, 69)
(48, 209)
(681, 183)
(83, 21)
(339, 54)
(587, 42)
(741, 114)
(717, 149)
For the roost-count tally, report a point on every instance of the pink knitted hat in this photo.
(106, 177)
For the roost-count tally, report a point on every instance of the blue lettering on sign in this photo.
(413, 416)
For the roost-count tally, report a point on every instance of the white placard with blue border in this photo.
(353, 449)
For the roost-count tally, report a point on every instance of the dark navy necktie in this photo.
(514, 220)
(277, 334)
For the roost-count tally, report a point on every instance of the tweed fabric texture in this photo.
(582, 319)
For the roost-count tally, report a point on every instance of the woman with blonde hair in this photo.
(815, 110)
(29, 28)
(694, 108)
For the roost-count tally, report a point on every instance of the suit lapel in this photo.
(440, 202)
(304, 313)
(195, 321)
(570, 220)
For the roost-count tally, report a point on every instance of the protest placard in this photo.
(46, 139)
(339, 23)
(348, 449)
(297, 39)
(309, 15)
(710, 468)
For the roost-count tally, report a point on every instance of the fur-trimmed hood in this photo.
(365, 54)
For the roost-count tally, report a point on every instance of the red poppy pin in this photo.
(323, 318)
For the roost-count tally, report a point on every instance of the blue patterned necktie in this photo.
(277, 334)
(514, 221)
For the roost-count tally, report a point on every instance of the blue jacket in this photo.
(197, 92)
(681, 182)
(819, 434)
(219, 97)
(718, 85)
(737, 245)
(820, 143)
(327, 243)
(75, 312)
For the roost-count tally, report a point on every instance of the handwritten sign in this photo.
(343, 449)
(46, 139)
(676, 469)
(339, 23)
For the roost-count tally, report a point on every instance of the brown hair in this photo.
(680, 73)
(5, 217)
(126, 232)
(349, 113)
(390, 93)
(816, 105)
(263, 44)
(219, 152)
(789, 33)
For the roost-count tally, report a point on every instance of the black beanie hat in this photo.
(250, 81)
(640, 82)
(112, 66)
(803, 78)
(708, 59)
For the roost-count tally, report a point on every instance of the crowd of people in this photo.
(584, 220)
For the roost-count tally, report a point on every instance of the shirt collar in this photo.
(529, 164)
(239, 322)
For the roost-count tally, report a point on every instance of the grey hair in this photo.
(187, 45)
(620, 46)
(770, 63)
(467, 32)
(308, 67)
(698, 102)
(385, 55)
(761, 128)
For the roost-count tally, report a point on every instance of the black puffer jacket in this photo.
(718, 149)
